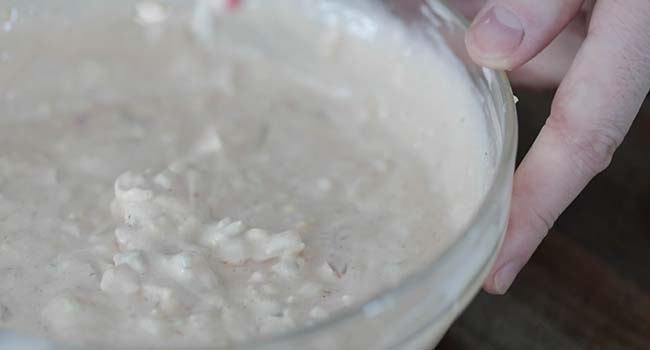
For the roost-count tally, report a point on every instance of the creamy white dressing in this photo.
(219, 176)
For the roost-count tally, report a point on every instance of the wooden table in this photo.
(588, 286)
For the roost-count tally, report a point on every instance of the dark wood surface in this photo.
(588, 286)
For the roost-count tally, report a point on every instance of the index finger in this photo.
(593, 110)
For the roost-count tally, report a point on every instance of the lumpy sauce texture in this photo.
(217, 176)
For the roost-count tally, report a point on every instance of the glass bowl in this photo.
(416, 313)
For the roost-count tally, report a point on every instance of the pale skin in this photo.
(599, 54)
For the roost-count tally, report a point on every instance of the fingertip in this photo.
(505, 275)
(488, 287)
(494, 36)
(508, 33)
(501, 278)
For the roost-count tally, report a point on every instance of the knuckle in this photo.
(532, 218)
(543, 222)
(591, 147)
(593, 151)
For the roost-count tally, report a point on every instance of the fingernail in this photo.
(505, 276)
(497, 33)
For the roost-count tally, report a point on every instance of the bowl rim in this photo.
(412, 280)
(415, 278)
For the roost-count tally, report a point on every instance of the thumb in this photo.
(508, 33)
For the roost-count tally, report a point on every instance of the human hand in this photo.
(599, 52)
